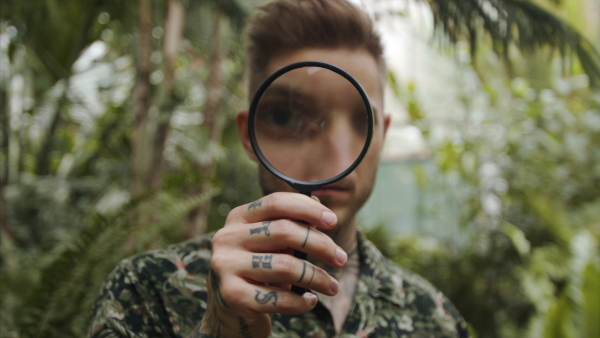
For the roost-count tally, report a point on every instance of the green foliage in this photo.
(54, 293)
(590, 292)
(67, 90)
(67, 213)
(521, 23)
(523, 162)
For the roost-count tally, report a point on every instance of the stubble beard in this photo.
(346, 212)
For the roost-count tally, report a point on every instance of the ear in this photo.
(242, 126)
(387, 119)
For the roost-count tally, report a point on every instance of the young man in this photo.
(236, 282)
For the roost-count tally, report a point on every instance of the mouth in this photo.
(332, 190)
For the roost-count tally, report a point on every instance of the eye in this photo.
(289, 121)
(281, 117)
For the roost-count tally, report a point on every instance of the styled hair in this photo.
(284, 26)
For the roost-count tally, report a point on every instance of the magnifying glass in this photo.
(310, 124)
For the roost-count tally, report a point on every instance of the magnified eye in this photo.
(309, 123)
(283, 118)
(281, 122)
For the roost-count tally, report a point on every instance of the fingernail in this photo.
(329, 218)
(312, 298)
(335, 286)
(341, 256)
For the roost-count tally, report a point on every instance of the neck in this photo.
(339, 306)
(344, 235)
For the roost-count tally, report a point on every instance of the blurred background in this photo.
(118, 136)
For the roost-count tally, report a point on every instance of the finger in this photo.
(289, 206)
(239, 294)
(318, 200)
(284, 286)
(282, 268)
(274, 236)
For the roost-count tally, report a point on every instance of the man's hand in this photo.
(252, 268)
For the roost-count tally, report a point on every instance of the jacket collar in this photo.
(379, 277)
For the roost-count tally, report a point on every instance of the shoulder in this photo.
(151, 287)
(173, 256)
(391, 275)
(179, 267)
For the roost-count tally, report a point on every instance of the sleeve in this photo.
(126, 306)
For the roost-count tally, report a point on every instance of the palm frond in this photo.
(64, 294)
(235, 10)
(520, 23)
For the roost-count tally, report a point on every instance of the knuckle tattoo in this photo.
(262, 229)
(264, 298)
(262, 261)
(255, 205)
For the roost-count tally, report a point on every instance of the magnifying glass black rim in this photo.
(304, 186)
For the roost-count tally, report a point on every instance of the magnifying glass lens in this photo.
(311, 124)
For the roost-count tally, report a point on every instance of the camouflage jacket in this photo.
(162, 293)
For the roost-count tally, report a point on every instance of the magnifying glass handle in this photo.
(300, 254)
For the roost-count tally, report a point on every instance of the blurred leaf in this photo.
(590, 293)
(518, 239)
(558, 319)
(380, 236)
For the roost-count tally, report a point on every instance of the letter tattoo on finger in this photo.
(264, 228)
(255, 204)
(264, 261)
(266, 298)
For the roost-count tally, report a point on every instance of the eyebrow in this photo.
(284, 90)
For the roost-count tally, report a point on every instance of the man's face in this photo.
(346, 196)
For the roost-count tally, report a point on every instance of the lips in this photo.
(333, 190)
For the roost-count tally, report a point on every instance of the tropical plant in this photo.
(521, 162)
(515, 23)
(117, 128)
(74, 200)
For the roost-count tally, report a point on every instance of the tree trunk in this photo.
(140, 152)
(196, 222)
(5, 141)
(172, 41)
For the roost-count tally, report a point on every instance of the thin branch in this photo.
(172, 41)
(196, 222)
(43, 156)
